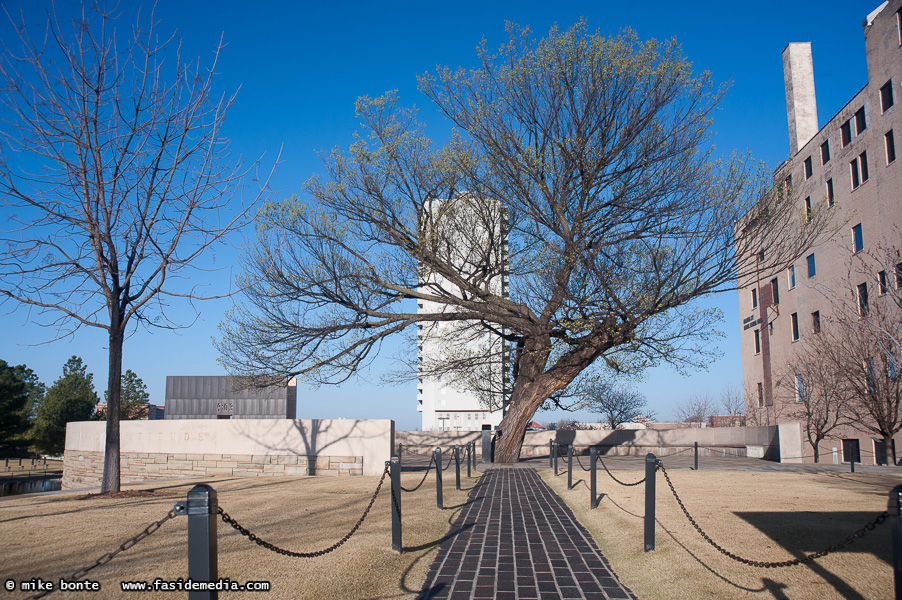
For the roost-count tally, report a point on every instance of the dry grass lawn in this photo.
(51, 536)
(764, 516)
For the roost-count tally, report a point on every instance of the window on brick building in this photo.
(800, 389)
(846, 133)
(775, 288)
(859, 170)
(794, 319)
(857, 239)
(889, 143)
(760, 395)
(886, 96)
(754, 298)
(825, 152)
(881, 283)
(816, 322)
(863, 306)
(809, 170)
(757, 341)
(791, 276)
(831, 199)
(811, 269)
(860, 122)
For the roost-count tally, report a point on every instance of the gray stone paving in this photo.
(515, 539)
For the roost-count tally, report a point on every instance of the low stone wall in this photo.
(712, 441)
(241, 448)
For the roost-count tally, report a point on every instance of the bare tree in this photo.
(115, 181)
(618, 405)
(732, 402)
(816, 393)
(594, 154)
(695, 408)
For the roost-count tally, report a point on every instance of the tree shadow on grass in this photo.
(806, 532)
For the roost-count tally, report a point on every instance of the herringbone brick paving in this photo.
(515, 539)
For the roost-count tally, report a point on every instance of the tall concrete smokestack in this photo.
(801, 105)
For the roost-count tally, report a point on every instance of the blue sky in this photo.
(300, 66)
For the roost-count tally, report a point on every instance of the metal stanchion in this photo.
(651, 465)
(438, 477)
(696, 456)
(894, 508)
(556, 449)
(470, 450)
(202, 547)
(457, 465)
(593, 456)
(570, 467)
(550, 453)
(394, 471)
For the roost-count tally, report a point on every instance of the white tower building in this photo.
(447, 402)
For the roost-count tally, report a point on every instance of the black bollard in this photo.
(550, 453)
(894, 508)
(457, 465)
(651, 465)
(486, 446)
(394, 471)
(570, 467)
(437, 453)
(593, 456)
(696, 456)
(202, 541)
(556, 450)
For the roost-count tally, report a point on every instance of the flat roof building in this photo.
(221, 397)
(445, 401)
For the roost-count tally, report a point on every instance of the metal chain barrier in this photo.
(423, 480)
(617, 480)
(786, 563)
(580, 463)
(150, 529)
(450, 460)
(269, 546)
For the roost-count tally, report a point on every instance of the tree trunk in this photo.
(111, 474)
(890, 448)
(513, 427)
(816, 456)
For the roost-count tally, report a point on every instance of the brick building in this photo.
(848, 168)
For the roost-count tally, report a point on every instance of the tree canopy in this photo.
(586, 167)
(70, 398)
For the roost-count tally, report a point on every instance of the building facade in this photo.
(217, 397)
(451, 402)
(847, 168)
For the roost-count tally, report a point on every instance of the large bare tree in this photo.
(587, 162)
(114, 177)
(814, 387)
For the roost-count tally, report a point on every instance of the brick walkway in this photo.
(515, 540)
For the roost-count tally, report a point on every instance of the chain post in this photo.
(696, 456)
(202, 540)
(570, 466)
(894, 508)
(394, 472)
(457, 465)
(556, 451)
(593, 454)
(437, 454)
(469, 458)
(550, 454)
(651, 465)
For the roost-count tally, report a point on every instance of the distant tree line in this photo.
(34, 417)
